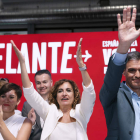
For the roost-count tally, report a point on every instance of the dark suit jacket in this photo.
(36, 132)
(117, 103)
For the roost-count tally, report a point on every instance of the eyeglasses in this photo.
(4, 79)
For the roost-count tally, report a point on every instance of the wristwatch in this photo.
(83, 68)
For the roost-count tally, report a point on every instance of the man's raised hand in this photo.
(127, 32)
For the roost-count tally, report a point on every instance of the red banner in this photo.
(56, 52)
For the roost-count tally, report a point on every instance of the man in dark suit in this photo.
(43, 82)
(121, 102)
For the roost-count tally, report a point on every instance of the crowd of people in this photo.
(55, 111)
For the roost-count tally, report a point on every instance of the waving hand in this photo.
(127, 32)
(24, 75)
(85, 75)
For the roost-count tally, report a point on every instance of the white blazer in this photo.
(50, 114)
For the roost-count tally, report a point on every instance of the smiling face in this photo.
(65, 95)
(43, 84)
(9, 101)
(132, 74)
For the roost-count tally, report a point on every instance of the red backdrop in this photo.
(55, 52)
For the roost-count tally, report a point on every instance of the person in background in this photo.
(121, 102)
(12, 125)
(43, 81)
(3, 81)
(65, 116)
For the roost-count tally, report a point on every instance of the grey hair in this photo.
(133, 56)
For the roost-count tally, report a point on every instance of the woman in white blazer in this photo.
(65, 116)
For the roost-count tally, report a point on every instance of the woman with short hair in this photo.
(12, 125)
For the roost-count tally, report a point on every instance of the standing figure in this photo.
(43, 83)
(121, 102)
(66, 117)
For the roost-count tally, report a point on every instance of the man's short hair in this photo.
(133, 56)
(44, 71)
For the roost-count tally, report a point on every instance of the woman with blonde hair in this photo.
(65, 116)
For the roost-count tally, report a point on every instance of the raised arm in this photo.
(85, 75)
(31, 95)
(88, 95)
(127, 32)
(24, 75)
